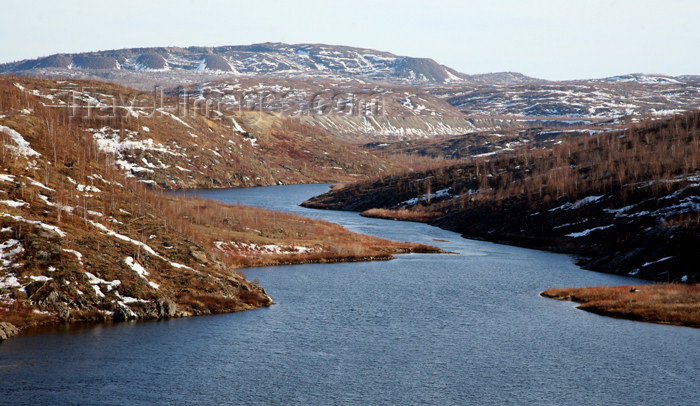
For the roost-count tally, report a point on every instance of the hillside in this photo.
(490, 143)
(381, 112)
(175, 143)
(87, 237)
(591, 100)
(351, 111)
(627, 202)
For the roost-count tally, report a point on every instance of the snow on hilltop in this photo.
(303, 60)
(642, 78)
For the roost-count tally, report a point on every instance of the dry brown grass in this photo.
(169, 218)
(403, 214)
(207, 222)
(22, 316)
(673, 303)
(212, 304)
(285, 149)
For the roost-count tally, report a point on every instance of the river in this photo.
(420, 329)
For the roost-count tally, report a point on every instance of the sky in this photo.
(549, 39)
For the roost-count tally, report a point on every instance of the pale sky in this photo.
(550, 39)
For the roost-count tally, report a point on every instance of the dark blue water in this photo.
(421, 329)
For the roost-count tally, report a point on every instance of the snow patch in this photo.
(586, 232)
(252, 249)
(14, 203)
(9, 281)
(176, 118)
(39, 223)
(582, 202)
(140, 271)
(657, 261)
(23, 146)
(95, 282)
(442, 193)
(41, 185)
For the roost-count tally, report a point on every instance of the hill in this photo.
(86, 236)
(627, 201)
(266, 59)
(353, 112)
(584, 100)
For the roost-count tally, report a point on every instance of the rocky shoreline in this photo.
(188, 304)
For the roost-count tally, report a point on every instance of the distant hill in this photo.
(643, 78)
(269, 59)
(419, 97)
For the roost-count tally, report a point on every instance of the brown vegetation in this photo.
(113, 225)
(663, 303)
(402, 214)
(197, 145)
(209, 222)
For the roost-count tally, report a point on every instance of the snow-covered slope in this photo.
(196, 150)
(641, 78)
(275, 59)
(633, 95)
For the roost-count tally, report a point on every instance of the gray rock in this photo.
(199, 256)
(120, 314)
(166, 308)
(50, 299)
(43, 256)
(62, 311)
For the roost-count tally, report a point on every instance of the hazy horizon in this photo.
(546, 39)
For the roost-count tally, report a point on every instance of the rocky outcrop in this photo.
(150, 61)
(214, 63)
(7, 330)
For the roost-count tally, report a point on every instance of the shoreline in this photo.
(9, 330)
(555, 246)
(645, 310)
(669, 304)
(13, 331)
(584, 255)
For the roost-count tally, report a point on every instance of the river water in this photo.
(420, 329)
